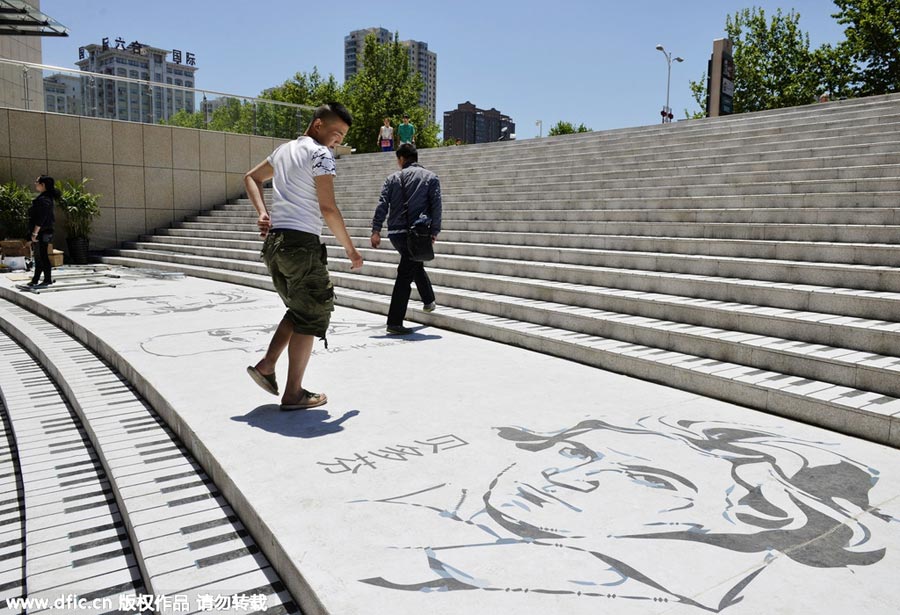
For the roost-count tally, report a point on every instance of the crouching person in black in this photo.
(40, 220)
(411, 194)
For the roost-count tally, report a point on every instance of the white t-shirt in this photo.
(387, 132)
(295, 204)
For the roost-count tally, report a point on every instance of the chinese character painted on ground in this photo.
(397, 453)
(343, 465)
(443, 443)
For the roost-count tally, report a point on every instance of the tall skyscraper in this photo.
(424, 62)
(136, 102)
(354, 44)
(421, 60)
(470, 124)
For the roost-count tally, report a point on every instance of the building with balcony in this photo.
(147, 102)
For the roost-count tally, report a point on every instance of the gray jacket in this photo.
(423, 189)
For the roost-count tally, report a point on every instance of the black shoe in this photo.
(398, 330)
(44, 284)
(32, 284)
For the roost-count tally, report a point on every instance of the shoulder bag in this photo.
(418, 235)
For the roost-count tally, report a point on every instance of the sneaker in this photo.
(429, 307)
(398, 330)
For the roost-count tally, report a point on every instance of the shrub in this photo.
(15, 200)
(80, 207)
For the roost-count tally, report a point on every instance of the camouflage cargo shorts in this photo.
(297, 263)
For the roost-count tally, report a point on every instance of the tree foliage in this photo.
(872, 43)
(775, 67)
(386, 86)
(566, 128)
(304, 89)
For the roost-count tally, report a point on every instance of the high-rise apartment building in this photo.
(63, 94)
(470, 124)
(355, 42)
(136, 102)
(421, 60)
(424, 62)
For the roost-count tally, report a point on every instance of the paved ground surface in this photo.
(449, 474)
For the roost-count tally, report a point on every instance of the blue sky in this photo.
(590, 61)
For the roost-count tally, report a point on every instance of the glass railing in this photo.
(39, 87)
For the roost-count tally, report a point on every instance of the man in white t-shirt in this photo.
(302, 173)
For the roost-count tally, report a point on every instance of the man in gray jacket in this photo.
(422, 190)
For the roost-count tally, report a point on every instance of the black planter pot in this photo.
(78, 249)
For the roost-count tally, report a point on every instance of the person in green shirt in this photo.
(406, 131)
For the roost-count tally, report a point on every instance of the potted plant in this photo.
(14, 203)
(80, 207)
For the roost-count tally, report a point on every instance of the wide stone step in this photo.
(726, 201)
(677, 164)
(594, 234)
(842, 366)
(833, 406)
(849, 302)
(869, 335)
(461, 183)
(820, 215)
(533, 260)
(681, 138)
(758, 148)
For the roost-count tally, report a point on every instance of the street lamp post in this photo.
(666, 113)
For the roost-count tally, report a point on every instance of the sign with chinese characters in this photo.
(137, 47)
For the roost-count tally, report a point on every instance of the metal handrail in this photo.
(147, 82)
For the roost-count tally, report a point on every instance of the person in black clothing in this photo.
(420, 189)
(40, 221)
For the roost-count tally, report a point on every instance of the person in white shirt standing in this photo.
(386, 136)
(302, 173)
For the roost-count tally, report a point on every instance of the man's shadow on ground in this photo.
(415, 336)
(296, 423)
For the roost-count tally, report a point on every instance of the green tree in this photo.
(835, 70)
(872, 43)
(773, 64)
(566, 128)
(310, 89)
(185, 120)
(699, 94)
(386, 86)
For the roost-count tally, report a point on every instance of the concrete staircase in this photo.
(754, 258)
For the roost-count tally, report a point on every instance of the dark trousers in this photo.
(41, 260)
(408, 271)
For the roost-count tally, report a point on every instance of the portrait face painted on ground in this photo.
(619, 511)
(163, 304)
